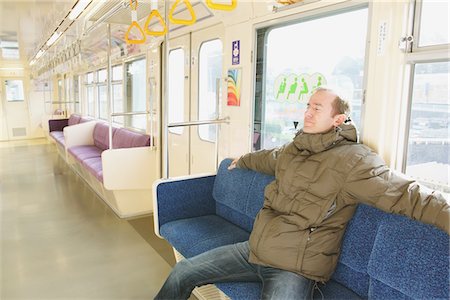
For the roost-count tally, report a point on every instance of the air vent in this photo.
(19, 131)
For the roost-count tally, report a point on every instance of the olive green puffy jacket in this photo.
(319, 179)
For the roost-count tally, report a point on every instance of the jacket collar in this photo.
(319, 142)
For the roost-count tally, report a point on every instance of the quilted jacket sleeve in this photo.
(373, 183)
(263, 161)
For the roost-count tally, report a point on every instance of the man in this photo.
(320, 178)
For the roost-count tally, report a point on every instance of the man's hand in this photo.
(233, 164)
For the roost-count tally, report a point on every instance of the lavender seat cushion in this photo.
(58, 136)
(94, 166)
(74, 119)
(101, 135)
(82, 153)
(124, 138)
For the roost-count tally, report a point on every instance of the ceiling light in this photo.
(39, 54)
(53, 38)
(78, 9)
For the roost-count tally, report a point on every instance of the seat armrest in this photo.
(57, 124)
(79, 134)
(129, 168)
(181, 198)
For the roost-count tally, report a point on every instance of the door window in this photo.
(14, 90)
(176, 89)
(210, 73)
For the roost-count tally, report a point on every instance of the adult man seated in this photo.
(321, 176)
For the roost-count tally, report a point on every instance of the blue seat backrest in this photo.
(409, 260)
(239, 194)
(356, 248)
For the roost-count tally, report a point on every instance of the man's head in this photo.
(325, 110)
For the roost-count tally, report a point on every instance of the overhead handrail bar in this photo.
(225, 120)
(182, 21)
(155, 14)
(134, 23)
(132, 113)
(227, 7)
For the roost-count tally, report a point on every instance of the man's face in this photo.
(319, 113)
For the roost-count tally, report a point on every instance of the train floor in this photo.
(59, 240)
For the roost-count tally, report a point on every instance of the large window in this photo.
(117, 93)
(136, 93)
(294, 59)
(76, 93)
(428, 140)
(176, 89)
(102, 96)
(432, 21)
(90, 94)
(210, 73)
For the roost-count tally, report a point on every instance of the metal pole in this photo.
(109, 85)
(165, 95)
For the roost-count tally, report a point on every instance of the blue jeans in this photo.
(229, 264)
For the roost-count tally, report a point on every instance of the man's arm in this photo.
(263, 161)
(373, 183)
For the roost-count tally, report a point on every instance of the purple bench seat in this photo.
(90, 156)
(56, 126)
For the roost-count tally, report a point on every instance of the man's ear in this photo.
(339, 119)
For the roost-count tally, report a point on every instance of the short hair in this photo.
(340, 105)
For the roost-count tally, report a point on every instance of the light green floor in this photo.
(60, 241)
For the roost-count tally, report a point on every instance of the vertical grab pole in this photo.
(216, 145)
(166, 94)
(109, 85)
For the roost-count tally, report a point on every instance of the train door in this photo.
(14, 110)
(178, 111)
(194, 80)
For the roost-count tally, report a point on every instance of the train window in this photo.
(433, 24)
(429, 126)
(90, 94)
(117, 73)
(136, 93)
(102, 96)
(324, 50)
(76, 93)
(210, 73)
(90, 78)
(117, 93)
(102, 101)
(101, 75)
(176, 89)
(60, 90)
(14, 90)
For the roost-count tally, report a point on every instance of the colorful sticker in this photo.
(234, 87)
(297, 88)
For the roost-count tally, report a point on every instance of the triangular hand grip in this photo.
(155, 14)
(140, 41)
(222, 6)
(182, 21)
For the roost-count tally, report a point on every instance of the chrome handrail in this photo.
(202, 122)
(131, 113)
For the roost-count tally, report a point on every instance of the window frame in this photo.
(415, 55)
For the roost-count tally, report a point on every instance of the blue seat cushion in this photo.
(411, 258)
(196, 235)
(252, 290)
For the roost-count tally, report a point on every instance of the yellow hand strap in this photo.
(222, 6)
(155, 14)
(182, 21)
(134, 23)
